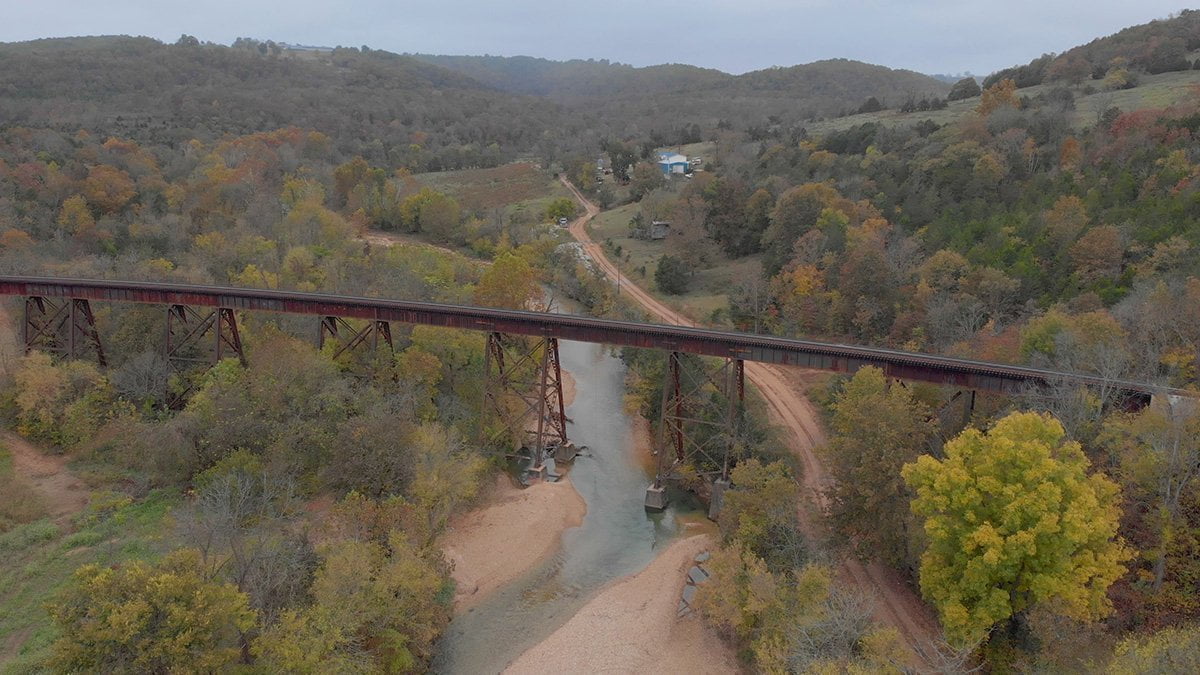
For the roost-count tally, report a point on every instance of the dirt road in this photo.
(63, 494)
(895, 604)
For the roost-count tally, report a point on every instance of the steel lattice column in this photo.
(186, 344)
(534, 382)
(701, 417)
(61, 328)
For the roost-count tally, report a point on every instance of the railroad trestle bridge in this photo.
(701, 407)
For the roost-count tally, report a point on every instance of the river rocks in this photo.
(695, 576)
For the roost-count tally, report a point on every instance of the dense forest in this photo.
(285, 511)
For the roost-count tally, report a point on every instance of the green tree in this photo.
(795, 213)
(621, 158)
(157, 618)
(646, 178)
(964, 88)
(1014, 519)
(560, 208)
(509, 282)
(760, 513)
(441, 216)
(877, 429)
(672, 275)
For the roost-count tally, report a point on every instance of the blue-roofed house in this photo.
(672, 162)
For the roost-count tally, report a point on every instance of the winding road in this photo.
(895, 604)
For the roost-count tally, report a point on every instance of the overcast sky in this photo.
(931, 36)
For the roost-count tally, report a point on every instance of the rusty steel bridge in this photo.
(58, 318)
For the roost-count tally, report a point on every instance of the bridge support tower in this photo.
(62, 327)
(701, 419)
(195, 339)
(526, 392)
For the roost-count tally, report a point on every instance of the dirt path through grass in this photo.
(62, 492)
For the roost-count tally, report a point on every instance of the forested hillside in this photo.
(394, 110)
(316, 484)
(791, 93)
(399, 111)
(1157, 47)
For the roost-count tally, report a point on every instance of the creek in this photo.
(617, 537)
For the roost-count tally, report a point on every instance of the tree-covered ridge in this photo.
(394, 110)
(1156, 47)
(822, 88)
(401, 111)
(575, 77)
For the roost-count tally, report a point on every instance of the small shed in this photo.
(659, 229)
(673, 162)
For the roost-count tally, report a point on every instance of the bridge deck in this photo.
(784, 351)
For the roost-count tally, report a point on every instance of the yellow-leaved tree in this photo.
(509, 282)
(160, 618)
(1014, 520)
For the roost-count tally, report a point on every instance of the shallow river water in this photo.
(617, 537)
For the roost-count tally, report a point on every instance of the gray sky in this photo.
(932, 36)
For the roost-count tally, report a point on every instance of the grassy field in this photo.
(21, 504)
(704, 150)
(638, 259)
(1153, 91)
(522, 190)
(38, 558)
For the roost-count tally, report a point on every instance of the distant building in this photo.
(306, 48)
(673, 162)
(659, 229)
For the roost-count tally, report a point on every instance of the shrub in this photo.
(672, 275)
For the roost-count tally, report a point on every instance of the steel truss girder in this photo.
(534, 379)
(695, 400)
(64, 328)
(332, 326)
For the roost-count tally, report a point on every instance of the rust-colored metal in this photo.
(195, 340)
(375, 329)
(961, 373)
(701, 415)
(64, 329)
(534, 379)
